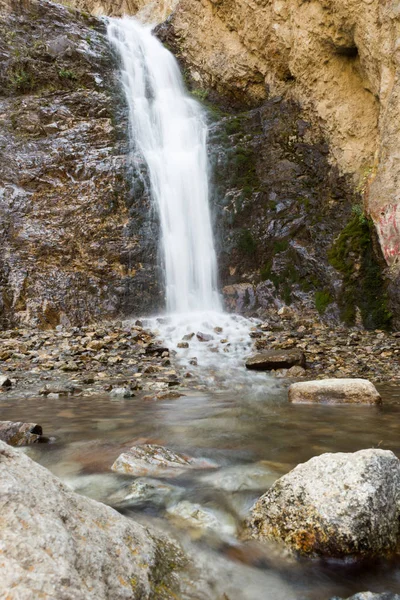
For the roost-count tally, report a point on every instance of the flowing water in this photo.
(169, 129)
(241, 421)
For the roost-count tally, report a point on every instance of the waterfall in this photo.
(169, 129)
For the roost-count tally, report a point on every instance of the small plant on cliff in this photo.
(66, 74)
(21, 80)
(247, 243)
(353, 256)
(322, 300)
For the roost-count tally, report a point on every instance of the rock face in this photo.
(338, 58)
(334, 505)
(71, 234)
(57, 544)
(334, 391)
(152, 460)
(276, 359)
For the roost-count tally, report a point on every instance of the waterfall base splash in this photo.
(212, 346)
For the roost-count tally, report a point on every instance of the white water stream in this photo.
(169, 129)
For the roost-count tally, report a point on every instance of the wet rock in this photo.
(59, 390)
(205, 519)
(188, 337)
(121, 392)
(276, 359)
(335, 505)
(296, 371)
(48, 530)
(204, 337)
(334, 391)
(20, 434)
(182, 345)
(5, 382)
(145, 491)
(372, 596)
(241, 478)
(153, 460)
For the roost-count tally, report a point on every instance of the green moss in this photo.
(353, 256)
(247, 243)
(21, 80)
(280, 246)
(322, 299)
(200, 94)
(66, 74)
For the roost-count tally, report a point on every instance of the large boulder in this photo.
(56, 544)
(335, 505)
(334, 391)
(276, 359)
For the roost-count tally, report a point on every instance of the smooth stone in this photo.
(146, 491)
(334, 391)
(204, 337)
(335, 505)
(196, 516)
(153, 460)
(182, 345)
(121, 392)
(276, 359)
(20, 434)
(241, 478)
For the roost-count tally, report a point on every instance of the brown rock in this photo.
(276, 359)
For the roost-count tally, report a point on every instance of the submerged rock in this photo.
(241, 478)
(203, 518)
(276, 359)
(335, 505)
(334, 391)
(20, 434)
(146, 491)
(153, 460)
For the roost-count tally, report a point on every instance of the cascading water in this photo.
(170, 131)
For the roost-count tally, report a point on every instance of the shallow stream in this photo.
(236, 430)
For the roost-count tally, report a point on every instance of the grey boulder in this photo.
(335, 505)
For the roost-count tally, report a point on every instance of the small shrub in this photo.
(247, 243)
(322, 299)
(66, 74)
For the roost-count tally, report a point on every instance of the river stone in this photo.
(335, 505)
(5, 382)
(145, 490)
(156, 461)
(276, 359)
(372, 596)
(195, 516)
(241, 478)
(334, 391)
(57, 544)
(20, 434)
